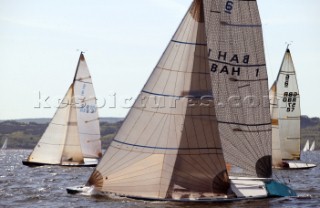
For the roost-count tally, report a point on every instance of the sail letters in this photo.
(229, 65)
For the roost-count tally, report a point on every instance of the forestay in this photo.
(168, 146)
(240, 85)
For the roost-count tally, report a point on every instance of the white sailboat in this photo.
(72, 138)
(175, 142)
(306, 146)
(5, 144)
(313, 146)
(285, 113)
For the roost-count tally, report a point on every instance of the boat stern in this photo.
(276, 189)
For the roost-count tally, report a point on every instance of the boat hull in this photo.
(296, 166)
(36, 164)
(86, 190)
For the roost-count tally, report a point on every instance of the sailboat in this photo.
(170, 146)
(72, 137)
(306, 146)
(285, 113)
(313, 146)
(5, 144)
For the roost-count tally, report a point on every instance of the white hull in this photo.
(243, 188)
(297, 165)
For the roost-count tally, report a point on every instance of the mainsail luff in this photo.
(168, 146)
(240, 85)
(87, 112)
(289, 108)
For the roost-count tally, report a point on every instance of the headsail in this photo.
(87, 112)
(168, 146)
(288, 99)
(50, 147)
(240, 85)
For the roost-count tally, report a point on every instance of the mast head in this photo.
(288, 44)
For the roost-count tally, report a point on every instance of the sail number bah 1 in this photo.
(229, 64)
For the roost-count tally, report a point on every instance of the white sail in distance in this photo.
(306, 146)
(313, 146)
(5, 144)
(240, 85)
(288, 106)
(73, 129)
(168, 147)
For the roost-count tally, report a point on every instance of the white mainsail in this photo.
(73, 129)
(87, 113)
(5, 144)
(168, 146)
(287, 95)
(306, 146)
(240, 85)
(313, 146)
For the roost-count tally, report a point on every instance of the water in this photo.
(21, 186)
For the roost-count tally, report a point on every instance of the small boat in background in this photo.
(285, 114)
(5, 144)
(72, 137)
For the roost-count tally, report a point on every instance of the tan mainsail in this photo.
(240, 85)
(74, 129)
(288, 116)
(168, 146)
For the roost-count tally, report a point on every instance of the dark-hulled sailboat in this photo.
(73, 135)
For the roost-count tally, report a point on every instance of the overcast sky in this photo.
(40, 42)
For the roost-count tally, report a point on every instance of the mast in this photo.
(240, 85)
(168, 147)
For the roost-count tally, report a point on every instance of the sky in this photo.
(40, 43)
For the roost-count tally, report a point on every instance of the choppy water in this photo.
(21, 186)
